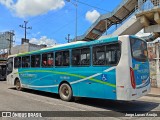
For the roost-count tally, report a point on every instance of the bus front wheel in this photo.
(65, 92)
(18, 85)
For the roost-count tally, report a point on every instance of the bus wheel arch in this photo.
(65, 91)
(18, 85)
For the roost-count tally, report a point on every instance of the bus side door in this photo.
(10, 71)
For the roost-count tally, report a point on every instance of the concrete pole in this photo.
(106, 21)
(76, 28)
(140, 3)
(157, 65)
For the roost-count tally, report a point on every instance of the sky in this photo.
(51, 20)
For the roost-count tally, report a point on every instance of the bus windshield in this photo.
(139, 50)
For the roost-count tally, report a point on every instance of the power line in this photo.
(92, 6)
(63, 26)
(70, 22)
(76, 18)
(51, 18)
(64, 14)
(47, 18)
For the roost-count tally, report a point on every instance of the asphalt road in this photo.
(31, 100)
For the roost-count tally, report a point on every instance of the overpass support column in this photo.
(157, 17)
(144, 21)
(140, 3)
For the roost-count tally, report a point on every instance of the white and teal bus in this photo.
(113, 68)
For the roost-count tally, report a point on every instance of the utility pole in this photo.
(76, 16)
(76, 5)
(25, 28)
(68, 38)
(11, 34)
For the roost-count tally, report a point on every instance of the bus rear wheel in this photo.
(65, 92)
(18, 85)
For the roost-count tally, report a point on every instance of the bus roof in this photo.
(49, 48)
(69, 46)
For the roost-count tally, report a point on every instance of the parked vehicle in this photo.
(2, 71)
(113, 68)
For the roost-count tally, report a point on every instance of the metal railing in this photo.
(145, 5)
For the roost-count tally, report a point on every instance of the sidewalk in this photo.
(155, 92)
(153, 96)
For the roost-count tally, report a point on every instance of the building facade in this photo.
(26, 47)
(154, 58)
(6, 39)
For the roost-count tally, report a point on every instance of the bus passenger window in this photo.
(106, 54)
(58, 58)
(99, 55)
(112, 54)
(17, 62)
(44, 60)
(85, 56)
(76, 57)
(65, 58)
(50, 59)
(62, 58)
(81, 57)
(35, 60)
(47, 60)
(26, 61)
(44, 63)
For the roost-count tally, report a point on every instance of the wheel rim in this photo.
(65, 91)
(18, 86)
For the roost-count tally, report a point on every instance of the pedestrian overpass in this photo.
(146, 14)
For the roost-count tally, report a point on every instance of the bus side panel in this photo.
(11, 77)
(123, 70)
(110, 77)
(24, 76)
(86, 85)
(99, 86)
(42, 79)
(46, 79)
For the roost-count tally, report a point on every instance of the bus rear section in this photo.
(133, 76)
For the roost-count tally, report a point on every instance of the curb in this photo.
(152, 95)
(150, 99)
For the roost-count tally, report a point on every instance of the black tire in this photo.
(65, 92)
(18, 85)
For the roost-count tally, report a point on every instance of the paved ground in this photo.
(155, 91)
(30, 100)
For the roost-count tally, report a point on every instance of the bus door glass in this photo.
(140, 65)
(2, 72)
(10, 69)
